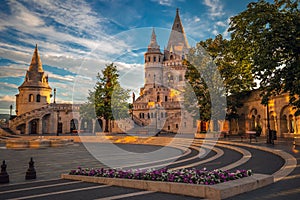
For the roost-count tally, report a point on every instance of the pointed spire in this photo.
(36, 63)
(177, 37)
(153, 46)
(35, 75)
(153, 41)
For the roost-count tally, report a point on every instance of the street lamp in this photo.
(269, 133)
(54, 95)
(57, 132)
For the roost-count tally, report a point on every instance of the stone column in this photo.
(93, 125)
(40, 126)
(79, 125)
(27, 128)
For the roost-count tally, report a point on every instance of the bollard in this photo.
(4, 177)
(30, 174)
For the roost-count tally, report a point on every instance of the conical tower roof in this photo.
(36, 63)
(35, 76)
(153, 46)
(177, 38)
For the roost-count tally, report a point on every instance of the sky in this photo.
(77, 38)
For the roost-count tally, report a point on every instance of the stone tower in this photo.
(177, 49)
(35, 91)
(153, 64)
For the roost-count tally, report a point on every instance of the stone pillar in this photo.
(27, 128)
(79, 125)
(94, 125)
(40, 126)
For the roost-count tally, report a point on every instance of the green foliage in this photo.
(109, 99)
(225, 76)
(267, 35)
(204, 95)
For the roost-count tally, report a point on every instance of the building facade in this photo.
(159, 106)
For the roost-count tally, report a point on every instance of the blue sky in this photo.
(77, 38)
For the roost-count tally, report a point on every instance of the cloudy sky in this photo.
(77, 38)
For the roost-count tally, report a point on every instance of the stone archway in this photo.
(33, 126)
(21, 128)
(73, 125)
(99, 125)
(86, 125)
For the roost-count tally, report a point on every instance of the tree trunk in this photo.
(106, 125)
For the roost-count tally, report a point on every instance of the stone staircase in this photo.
(25, 117)
(6, 133)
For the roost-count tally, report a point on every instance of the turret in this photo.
(35, 91)
(153, 64)
(177, 45)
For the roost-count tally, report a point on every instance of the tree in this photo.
(109, 99)
(213, 71)
(236, 73)
(267, 35)
(204, 94)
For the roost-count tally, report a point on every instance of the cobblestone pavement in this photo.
(51, 162)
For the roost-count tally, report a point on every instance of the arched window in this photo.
(171, 57)
(158, 97)
(38, 98)
(158, 58)
(180, 77)
(30, 98)
(154, 59)
(148, 58)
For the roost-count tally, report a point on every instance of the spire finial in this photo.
(177, 11)
(36, 63)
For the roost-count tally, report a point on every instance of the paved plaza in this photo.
(230, 153)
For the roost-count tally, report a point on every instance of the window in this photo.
(180, 78)
(148, 58)
(166, 98)
(176, 125)
(30, 98)
(38, 98)
(159, 59)
(154, 59)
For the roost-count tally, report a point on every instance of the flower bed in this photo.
(191, 176)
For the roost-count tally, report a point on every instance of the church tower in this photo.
(177, 45)
(177, 49)
(153, 64)
(35, 91)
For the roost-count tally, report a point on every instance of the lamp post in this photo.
(54, 95)
(269, 139)
(57, 132)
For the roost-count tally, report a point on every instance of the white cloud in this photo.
(8, 85)
(8, 98)
(164, 2)
(216, 8)
(215, 32)
(219, 23)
